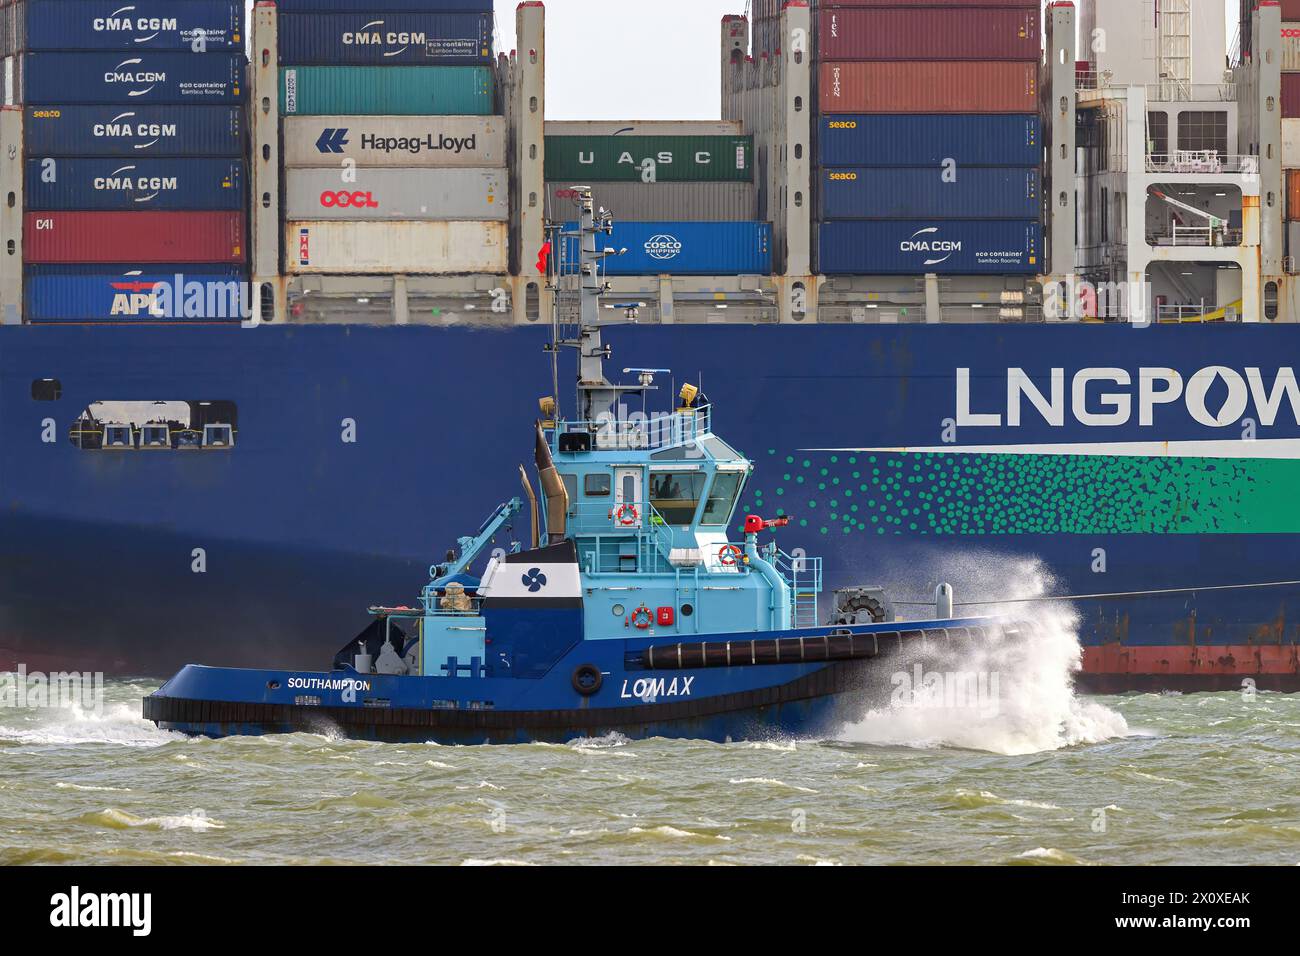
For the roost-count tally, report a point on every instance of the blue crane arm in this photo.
(471, 547)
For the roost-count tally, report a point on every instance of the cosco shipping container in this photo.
(916, 247)
(929, 87)
(386, 90)
(672, 202)
(930, 192)
(143, 77)
(137, 237)
(684, 248)
(407, 141)
(135, 184)
(474, 194)
(968, 139)
(415, 248)
(176, 292)
(900, 33)
(427, 39)
(638, 158)
(137, 131)
(115, 25)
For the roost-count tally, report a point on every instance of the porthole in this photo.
(619, 610)
(687, 610)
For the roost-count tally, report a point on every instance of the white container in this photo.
(409, 141)
(1291, 144)
(384, 248)
(660, 202)
(388, 194)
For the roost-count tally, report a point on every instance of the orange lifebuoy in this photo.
(642, 618)
(729, 555)
(627, 515)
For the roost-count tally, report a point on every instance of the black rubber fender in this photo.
(587, 679)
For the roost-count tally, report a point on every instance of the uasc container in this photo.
(131, 78)
(684, 248)
(138, 183)
(968, 139)
(417, 248)
(657, 202)
(473, 194)
(136, 237)
(118, 25)
(900, 33)
(386, 90)
(176, 292)
(134, 131)
(405, 141)
(929, 87)
(973, 192)
(428, 39)
(650, 158)
(919, 246)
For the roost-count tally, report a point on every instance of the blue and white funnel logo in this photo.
(534, 580)
(663, 246)
(926, 242)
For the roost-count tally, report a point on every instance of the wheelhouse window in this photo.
(571, 491)
(722, 498)
(676, 494)
(597, 486)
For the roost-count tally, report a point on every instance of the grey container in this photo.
(397, 194)
(660, 202)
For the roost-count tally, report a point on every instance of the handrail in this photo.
(640, 432)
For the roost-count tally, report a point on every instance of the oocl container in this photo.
(140, 183)
(969, 139)
(929, 87)
(433, 141)
(427, 39)
(900, 33)
(132, 78)
(429, 248)
(116, 25)
(473, 194)
(974, 192)
(917, 247)
(137, 237)
(386, 90)
(673, 202)
(135, 131)
(650, 158)
(684, 248)
(177, 292)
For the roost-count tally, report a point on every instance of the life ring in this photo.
(729, 555)
(587, 679)
(627, 515)
(642, 618)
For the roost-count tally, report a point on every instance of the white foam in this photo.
(119, 724)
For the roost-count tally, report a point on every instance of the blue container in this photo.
(412, 39)
(684, 248)
(137, 25)
(973, 192)
(136, 131)
(385, 6)
(918, 246)
(124, 184)
(141, 77)
(930, 140)
(78, 293)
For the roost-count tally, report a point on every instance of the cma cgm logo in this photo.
(926, 241)
(1216, 396)
(663, 247)
(143, 80)
(372, 35)
(149, 26)
(343, 199)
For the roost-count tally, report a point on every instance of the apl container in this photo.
(425, 39)
(141, 183)
(118, 25)
(135, 131)
(684, 248)
(917, 247)
(132, 78)
(583, 159)
(472, 194)
(137, 237)
(929, 87)
(969, 139)
(660, 202)
(386, 90)
(176, 292)
(973, 192)
(407, 141)
(929, 34)
(416, 248)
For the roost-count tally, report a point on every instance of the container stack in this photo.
(929, 146)
(134, 139)
(1291, 120)
(394, 156)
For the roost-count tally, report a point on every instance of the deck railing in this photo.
(640, 432)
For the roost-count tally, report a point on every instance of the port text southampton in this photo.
(33, 689)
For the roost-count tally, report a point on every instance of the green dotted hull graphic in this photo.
(927, 493)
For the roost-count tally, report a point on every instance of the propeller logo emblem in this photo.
(534, 580)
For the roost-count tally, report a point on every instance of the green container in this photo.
(386, 90)
(668, 159)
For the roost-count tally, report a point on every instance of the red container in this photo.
(1290, 10)
(136, 237)
(892, 33)
(1291, 95)
(929, 87)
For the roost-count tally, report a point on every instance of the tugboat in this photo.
(628, 609)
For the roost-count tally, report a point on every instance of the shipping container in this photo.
(928, 139)
(1291, 95)
(1021, 4)
(52, 79)
(13, 80)
(917, 247)
(369, 6)
(472, 194)
(136, 237)
(139, 131)
(929, 87)
(659, 202)
(386, 90)
(425, 39)
(650, 158)
(684, 248)
(114, 25)
(1293, 195)
(141, 183)
(408, 141)
(644, 128)
(1290, 143)
(930, 192)
(429, 248)
(177, 292)
(1290, 47)
(900, 33)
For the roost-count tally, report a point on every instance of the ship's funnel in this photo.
(557, 499)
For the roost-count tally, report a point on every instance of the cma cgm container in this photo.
(684, 248)
(438, 6)
(479, 194)
(137, 237)
(429, 248)
(929, 34)
(135, 131)
(141, 77)
(929, 87)
(428, 39)
(969, 139)
(177, 292)
(672, 202)
(380, 90)
(118, 25)
(135, 183)
(406, 141)
(930, 192)
(915, 247)
(633, 158)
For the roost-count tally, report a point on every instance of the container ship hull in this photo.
(1150, 470)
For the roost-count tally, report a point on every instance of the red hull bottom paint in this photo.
(1113, 668)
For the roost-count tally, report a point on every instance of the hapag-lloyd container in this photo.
(637, 158)
(428, 39)
(118, 25)
(133, 77)
(378, 194)
(138, 183)
(176, 292)
(386, 90)
(406, 141)
(660, 202)
(925, 192)
(684, 248)
(919, 246)
(929, 139)
(416, 248)
(133, 131)
(914, 86)
(900, 33)
(137, 237)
